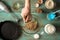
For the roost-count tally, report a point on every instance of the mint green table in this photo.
(41, 18)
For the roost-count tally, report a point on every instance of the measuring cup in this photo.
(53, 15)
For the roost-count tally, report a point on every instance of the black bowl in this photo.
(10, 30)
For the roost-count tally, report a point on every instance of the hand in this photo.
(26, 15)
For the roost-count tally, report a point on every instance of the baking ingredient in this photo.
(40, 1)
(49, 4)
(36, 36)
(49, 29)
(16, 6)
(31, 25)
(37, 4)
(38, 10)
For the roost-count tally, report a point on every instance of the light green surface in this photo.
(42, 18)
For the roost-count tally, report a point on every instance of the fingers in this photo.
(25, 14)
(26, 18)
(23, 18)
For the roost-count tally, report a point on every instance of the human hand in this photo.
(26, 15)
